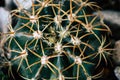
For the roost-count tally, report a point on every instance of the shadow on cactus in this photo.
(57, 40)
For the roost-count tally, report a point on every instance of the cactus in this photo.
(57, 40)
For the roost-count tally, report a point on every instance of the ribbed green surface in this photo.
(54, 40)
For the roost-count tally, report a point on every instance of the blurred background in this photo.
(111, 12)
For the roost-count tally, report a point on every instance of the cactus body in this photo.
(57, 40)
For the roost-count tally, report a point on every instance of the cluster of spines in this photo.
(39, 34)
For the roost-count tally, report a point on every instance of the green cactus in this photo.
(57, 40)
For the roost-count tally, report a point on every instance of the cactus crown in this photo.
(57, 40)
